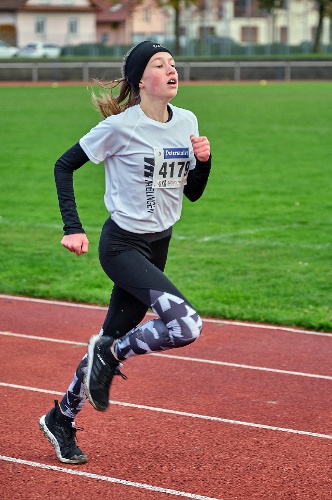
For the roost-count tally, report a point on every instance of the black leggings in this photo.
(135, 263)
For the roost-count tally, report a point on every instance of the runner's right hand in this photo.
(76, 243)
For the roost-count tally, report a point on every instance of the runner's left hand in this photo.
(201, 147)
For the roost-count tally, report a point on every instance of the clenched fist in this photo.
(76, 243)
(201, 147)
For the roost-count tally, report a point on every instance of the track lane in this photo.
(168, 451)
(250, 345)
(222, 391)
(195, 455)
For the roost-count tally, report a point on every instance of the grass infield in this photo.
(256, 247)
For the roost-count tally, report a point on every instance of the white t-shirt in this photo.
(146, 166)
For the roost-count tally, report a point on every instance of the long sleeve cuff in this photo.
(70, 161)
(197, 179)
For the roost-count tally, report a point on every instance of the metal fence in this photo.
(283, 70)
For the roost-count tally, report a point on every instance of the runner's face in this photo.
(160, 77)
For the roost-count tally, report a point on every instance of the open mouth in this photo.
(172, 81)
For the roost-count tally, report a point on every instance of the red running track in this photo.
(243, 413)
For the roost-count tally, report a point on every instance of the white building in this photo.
(73, 22)
(53, 21)
(243, 22)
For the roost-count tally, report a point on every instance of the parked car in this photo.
(41, 49)
(7, 50)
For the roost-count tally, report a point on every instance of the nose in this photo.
(170, 69)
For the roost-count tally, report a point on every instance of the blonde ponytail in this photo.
(109, 104)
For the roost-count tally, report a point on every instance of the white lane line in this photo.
(184, 414)
(115, 480)
(205, 320)
(47, 339)
(182, 358)
(245, 367)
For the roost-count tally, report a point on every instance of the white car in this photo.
(7, 50)
(40, 49)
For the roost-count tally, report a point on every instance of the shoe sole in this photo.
(48, 434)
(91, 349)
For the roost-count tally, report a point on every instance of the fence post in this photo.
(287, 70)
(35, 72)
(85, 72)
(237, 71)
(186, 72)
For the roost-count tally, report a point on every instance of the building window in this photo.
(283, 34)
(248, 8)
(240, 8)
(147, 15)
(73, 26)
(40, 26)
(104, 38)
(206, 31)
(220, 9)
(249, 34)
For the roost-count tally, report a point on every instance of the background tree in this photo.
(324, 9)
(177, 6)
(270, 6)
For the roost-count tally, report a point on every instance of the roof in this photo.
(11, 5)
(112, 13)
(21, 5)
(109, 12)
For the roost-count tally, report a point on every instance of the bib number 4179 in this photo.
(167, 169)
(171, 174)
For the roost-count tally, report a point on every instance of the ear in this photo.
(140, 85)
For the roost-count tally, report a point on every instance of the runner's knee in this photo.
(183, 323)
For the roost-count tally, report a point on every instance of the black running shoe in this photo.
(100, 372)
(62, 438)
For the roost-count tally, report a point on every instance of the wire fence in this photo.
(211, 46)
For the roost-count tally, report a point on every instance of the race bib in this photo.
(171, 167)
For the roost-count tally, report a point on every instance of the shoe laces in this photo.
(118, 372)
(75, 431)
(108, 370)
(111, 368)
(70, 430)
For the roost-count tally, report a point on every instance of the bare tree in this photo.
(177, 6)
(324, 9)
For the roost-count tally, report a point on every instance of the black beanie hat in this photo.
(137, 59)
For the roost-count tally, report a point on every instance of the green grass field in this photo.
(257, 246)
